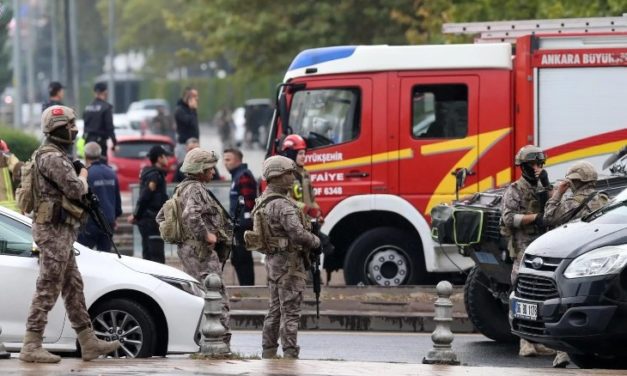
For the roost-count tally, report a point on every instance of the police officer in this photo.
(9, 176)
(55, 226)
(204, 224)
(286, 264)
(152, 195)
(522, 207)
(56, 92)
(98, 118)
(559, 209)
(103, 182)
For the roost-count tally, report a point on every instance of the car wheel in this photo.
(588, 361)
(384, 256)
(487, 313)
(128, 322)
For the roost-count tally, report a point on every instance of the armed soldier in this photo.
(205, 225)
(287, 240)
(521, 221)
(559, 209)
(56, 219)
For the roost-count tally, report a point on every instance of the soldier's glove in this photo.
(544, 179)
(78, 166)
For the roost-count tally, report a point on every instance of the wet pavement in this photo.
(186, 366)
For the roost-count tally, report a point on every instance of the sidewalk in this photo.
(186, 366)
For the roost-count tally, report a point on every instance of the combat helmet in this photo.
(530, 153)
(583, 171)
(198, 160)
(55, 119)
(276, 166)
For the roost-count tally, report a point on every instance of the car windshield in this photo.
(139, 150)
(15, 237)
(614, 213)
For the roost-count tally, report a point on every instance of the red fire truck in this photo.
(387, 125)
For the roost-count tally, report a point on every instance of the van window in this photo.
(325, 117)
(439, 111)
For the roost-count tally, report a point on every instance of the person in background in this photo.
(10, 171)
(244, 185)
(186, 118)
(192, 144)
(98, 117)
(152, 195)
(103, 182)
(56, 93)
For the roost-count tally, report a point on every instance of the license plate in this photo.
(524, 310)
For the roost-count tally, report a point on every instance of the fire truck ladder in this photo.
(508, 31)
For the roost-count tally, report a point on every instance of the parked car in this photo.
(156, 309)
(124, 127)
(141, 120)
(130, 156)
(571, 293)
(149, 104)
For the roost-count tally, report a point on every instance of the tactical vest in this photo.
(261, 238)
(530, 205)
(595, 203)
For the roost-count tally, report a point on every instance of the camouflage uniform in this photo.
(560, 209)
(55, 228)
(202, 215)
(519, 199)
(286, 269)
(55, 238)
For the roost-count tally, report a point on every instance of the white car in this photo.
(152, 308)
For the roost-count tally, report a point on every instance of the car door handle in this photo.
(356, 174)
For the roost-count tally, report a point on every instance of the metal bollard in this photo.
(3, 351)
(213, 331)
(442, 352)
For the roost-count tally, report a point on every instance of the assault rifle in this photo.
(232, 223)
(92, 206)
(314, 257)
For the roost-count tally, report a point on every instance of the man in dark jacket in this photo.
(98, 117)
(186, 119)
(152, 195)
(244, 185)
(103, 182)
(56, 93)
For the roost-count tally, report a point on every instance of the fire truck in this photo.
(387, 126)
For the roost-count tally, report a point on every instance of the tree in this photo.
(6, 73)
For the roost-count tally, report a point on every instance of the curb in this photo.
(414, 322)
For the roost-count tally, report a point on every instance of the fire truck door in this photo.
(439, 125)
(335, 118)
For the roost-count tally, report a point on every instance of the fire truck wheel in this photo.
(384, 256)
(487, 314)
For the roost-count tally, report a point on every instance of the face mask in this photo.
(528, 173)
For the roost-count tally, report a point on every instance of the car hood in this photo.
(574, 239)
(154, 268)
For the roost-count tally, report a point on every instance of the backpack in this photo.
(27, 194)
(260, 238)
(169, 218)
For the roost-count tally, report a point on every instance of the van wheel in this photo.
(487, 313)
(128, 322)
(384, 256)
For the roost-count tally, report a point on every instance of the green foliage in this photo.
(21, 144)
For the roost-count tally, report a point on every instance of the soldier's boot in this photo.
(33, 352)
(542, 350)
(268, 353)
(92, 347)
(561, 360)
(290, 354)
(527, 348)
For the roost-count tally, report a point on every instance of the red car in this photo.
(129, 157)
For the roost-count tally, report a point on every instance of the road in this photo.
(471, 349)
